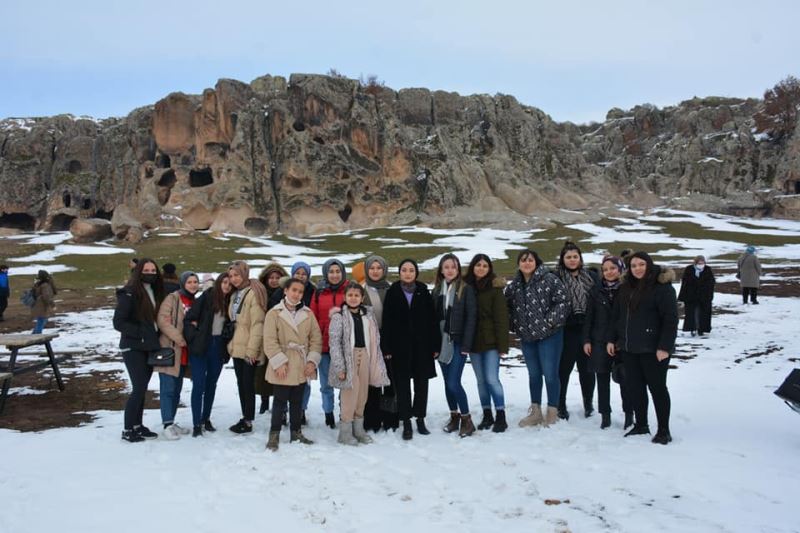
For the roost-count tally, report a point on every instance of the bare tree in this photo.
(778, 118)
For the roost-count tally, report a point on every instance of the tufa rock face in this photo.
(320, 153)
(90, 229)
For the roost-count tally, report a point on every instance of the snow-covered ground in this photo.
(732, 466)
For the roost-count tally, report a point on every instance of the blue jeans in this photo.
(40, 323)
(325, 389)
(487, 373)
(542, 357)
(453, 390)
(169, 393)
(206, 369)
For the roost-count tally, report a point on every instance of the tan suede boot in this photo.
(534, 417)
(552, 416)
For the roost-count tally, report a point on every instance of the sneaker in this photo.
(131, 435)
(197, 431)
(241, 427)
(208, 426)
(145, 433)
(182, 430)
(171, 432)
(638, 430)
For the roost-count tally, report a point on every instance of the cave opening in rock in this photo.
(61, 222)
(86, 203)
(345, 213)
(200, 177)
(66, 197)
(74, 166)
(256, 225)
(106, 215)
(299, 126)
(797, 187)
(319, 140)
(163, 161)
(21, 221)
(167, 179)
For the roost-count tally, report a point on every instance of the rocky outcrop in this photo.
(319, 153)
(90, 229)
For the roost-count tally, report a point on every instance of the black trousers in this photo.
(3, 301)
(245, 382)
(752, 292)
(282, 394)
(572, 354)
(405, 408)
(697, 317)
(139, 372)
(644, 371)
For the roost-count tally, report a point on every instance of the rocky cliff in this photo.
(321, 153)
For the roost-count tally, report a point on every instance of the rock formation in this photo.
(321, 153)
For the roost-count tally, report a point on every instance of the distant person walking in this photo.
(749, 274)
(44, 290)
(697, 293)
(5, 290)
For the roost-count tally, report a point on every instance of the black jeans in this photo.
(405, 408)
(3, 301)
(245, 382)
(752, 292)
(282, 394)
(644, 371)
(572, 354)
(140, 373)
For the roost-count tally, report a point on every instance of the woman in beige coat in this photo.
(44, 289)
(170, 378)
(248, 305)
(292, 343)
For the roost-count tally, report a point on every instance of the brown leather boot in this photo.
(452, 425)
(467, 427)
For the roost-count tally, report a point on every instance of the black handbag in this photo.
(161, 357)
(388, 401)
(789, 391)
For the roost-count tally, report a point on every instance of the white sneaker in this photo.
(172, 432)
(182, 430)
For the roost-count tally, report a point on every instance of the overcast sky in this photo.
(573, 59)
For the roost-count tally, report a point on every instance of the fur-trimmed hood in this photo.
(664, 276)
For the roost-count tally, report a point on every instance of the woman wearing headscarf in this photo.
(697, 293)
(44, 290)
(748, 272)
(271, 278)
(328, 299)
(171, 315)
(410, 339)
(247, 308)
(579, 281)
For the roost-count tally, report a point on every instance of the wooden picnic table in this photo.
(14, 343)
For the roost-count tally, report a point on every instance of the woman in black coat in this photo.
(203, 328)
(410, 342)
(697, 293)
(644, 324)
(135, 318)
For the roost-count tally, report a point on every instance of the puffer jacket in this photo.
(249, 331)
(342, 344)
(539, 307)
(463, 314)
(653, 325)
(289, 340)
(170, 324)
(324, 301)
(135, 334)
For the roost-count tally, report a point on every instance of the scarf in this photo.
(578, 288)
(448, 291)
(610, 289)
(324, 283)
(256, 286)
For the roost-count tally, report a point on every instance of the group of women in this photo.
(378, 343)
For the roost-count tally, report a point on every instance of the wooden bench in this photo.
(17, 341)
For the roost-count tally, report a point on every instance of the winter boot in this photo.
(452, 425)
(408, 433)
(467, 427)
(500, 424)
(662, 436)
(628, 420)
(264, 407)
(487, 420)
(552, 416)
(588, 408)
(346, 434)
(421, 429)
(359, 432)
(208, 426)
(299, 437)
(639, 429)
(562, 413)
(274, 440)
(534, 417)
(197, 431)
(606, 420)
(329, 421)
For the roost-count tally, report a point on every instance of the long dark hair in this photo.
(633, 289)
(485, 281)
(440, 275)
(44, 276)
(568, 247)
(145, 311)
(219, 300)
(524, 254)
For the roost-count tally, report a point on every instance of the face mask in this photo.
(292, 303)
(149, 278)
(700, 266)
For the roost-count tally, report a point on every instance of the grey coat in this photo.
(341, 350)
(749, 271)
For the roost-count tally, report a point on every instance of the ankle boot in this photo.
(346, 434)
(359, 432)
(487, 420)
(562, 412)
(421, 429)
(264, 407)
(639, 430)
(500, 424)
(628, 420)
(588, 408)
(408, 433)
(534, 417)
(452, 425)
(274, 439)
(467, 427)
(552, 416)
(329, 421)
(663, 436)
(606, 421)
(299, 437)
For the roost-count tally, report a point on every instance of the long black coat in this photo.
(697, 293)
(595, 329)
(410, 334)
